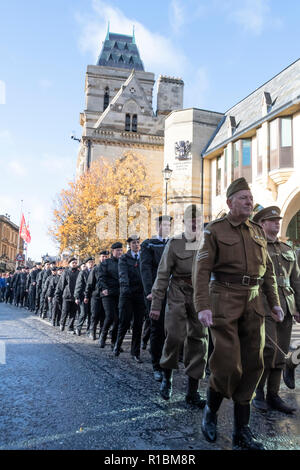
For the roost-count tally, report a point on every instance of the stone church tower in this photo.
(119, 113)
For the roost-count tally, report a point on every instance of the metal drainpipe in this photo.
(88, 163)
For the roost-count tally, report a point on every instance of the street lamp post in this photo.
(167, 172)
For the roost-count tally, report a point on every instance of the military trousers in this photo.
(274, 359)
(69, 310)
(238, 334)
(157, 336)
(85, 313)
(132, 307)
(111, 309)
(56, 311)
(31, 298)
(182, 327)
(97, 314)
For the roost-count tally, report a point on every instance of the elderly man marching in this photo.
(234, 256)
(278, 335)
(174, 278)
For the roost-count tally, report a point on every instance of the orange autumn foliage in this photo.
(76, 216)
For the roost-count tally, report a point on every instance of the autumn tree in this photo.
(105, 204)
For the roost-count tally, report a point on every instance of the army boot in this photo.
(166, 384)
(210, 417)
(276, 403)
(193, 396)
(102, 339)
(242, 438)
(259, 401)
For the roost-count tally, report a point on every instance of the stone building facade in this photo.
(119, 114)
(258, 138)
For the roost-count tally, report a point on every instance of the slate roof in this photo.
(120, 51)
(283, 88)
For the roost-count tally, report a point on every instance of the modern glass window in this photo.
(286, 132)
(259, 151)
(236, 154)
(246, 152)
(225, 166)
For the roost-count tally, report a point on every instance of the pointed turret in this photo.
(120, 51)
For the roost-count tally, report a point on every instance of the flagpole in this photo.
(26, 254)
(18, 247)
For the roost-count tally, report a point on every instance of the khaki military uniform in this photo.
(236, 256)
(181, 323)
(288, 281)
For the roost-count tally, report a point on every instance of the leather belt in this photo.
(242, 279)
(283, 282)
(188, 280)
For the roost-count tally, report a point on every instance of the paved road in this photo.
(59, 391)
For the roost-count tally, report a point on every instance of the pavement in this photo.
(62, 392)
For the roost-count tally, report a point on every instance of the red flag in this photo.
(24, 231)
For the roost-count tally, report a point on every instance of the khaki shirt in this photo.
(233, 248)
(176, 262)
(287, 275)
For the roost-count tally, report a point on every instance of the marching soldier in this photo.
(150, 255)
(85, 308)
(65, 292)
(235, 253)
(55, 302)
(109, 288)
(293, 360)
(132, 302)
(32, 279)
(174, 278)
(40, 285)
(92, 296)
(278, 335)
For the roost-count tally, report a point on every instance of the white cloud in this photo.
(157, 51)
(176, 15)
(253, 16)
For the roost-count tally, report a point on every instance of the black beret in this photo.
(104, 252)
(91, 258)
(116, 245)
(54, 268)
(72, 259)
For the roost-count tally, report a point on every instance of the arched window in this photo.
(134, 123)
(127, 122)
(131, 122)
(106, 98)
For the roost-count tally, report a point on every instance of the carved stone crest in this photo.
(183, 150)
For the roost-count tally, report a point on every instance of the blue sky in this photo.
(223, 50)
